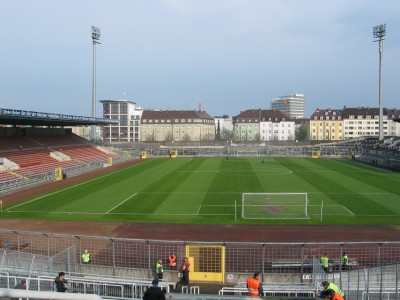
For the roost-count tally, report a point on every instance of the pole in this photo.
(93, 131)
(96, 38)
(380, 91)
(379, 33)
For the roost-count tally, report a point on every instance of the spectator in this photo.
(154, 292)
(325, 262)
(158, 270)
(20, 286)
(254, 285)
(61, 283)
(86, 259)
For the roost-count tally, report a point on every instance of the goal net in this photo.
(274, 206)
(247, 153)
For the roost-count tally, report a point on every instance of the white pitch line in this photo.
(126, 214)
(348, 210)
(71, 187)
(198, 210)
(133, 195)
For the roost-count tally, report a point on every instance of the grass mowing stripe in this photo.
(74, 186)
(183, 191)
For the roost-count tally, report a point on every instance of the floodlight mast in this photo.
(379, 33)
(96, 38)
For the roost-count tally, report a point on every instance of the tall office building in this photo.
(129, 121)
(292, 106)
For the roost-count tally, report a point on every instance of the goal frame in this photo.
(305, 204)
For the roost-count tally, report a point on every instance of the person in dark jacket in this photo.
(61, 283)
(20, 286)
(154, 292)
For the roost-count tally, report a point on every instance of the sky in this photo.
(225, 55)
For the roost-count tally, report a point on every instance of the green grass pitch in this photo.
(205, 191)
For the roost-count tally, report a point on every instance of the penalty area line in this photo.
(131, 196)
(348, 210)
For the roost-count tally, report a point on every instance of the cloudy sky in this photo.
(228, 55)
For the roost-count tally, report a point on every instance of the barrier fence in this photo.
(238, 257)
(373, 271)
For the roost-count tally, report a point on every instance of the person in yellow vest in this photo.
(254, 285)
(345, 261)
(172, 261)
(330, 286)
(325, 262)
(158, 271)
(86, 257)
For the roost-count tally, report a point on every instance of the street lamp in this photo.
(379, 33)
(96, 38)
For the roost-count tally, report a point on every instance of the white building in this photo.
(292, 105)
(275, 126)
(364, 121)
(128, 129)
(263, 125)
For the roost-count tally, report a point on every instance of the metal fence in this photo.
(277, 258)
(373, 272)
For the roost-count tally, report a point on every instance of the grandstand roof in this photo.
(23, 117)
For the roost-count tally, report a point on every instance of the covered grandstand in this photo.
(36, 148)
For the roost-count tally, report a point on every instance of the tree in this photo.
(301, 133)
(218, 133)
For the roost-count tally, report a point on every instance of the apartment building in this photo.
(348, 123)
(263, 125)
(176, 125)
(326, 125)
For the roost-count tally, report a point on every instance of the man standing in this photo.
(154, 292)
(185, 271)
(325, 262)
(61, 283)
(345, 261)
(158, 270)
(86, 257)
(254, 285)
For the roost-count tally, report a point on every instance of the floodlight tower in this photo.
(379, 33)
(96, 39)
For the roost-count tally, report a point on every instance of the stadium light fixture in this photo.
(96, 38)
(379, 33)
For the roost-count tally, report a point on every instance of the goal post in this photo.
(264, 206)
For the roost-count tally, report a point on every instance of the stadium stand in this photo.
(35, 158)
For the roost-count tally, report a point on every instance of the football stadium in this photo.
(105, 215)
